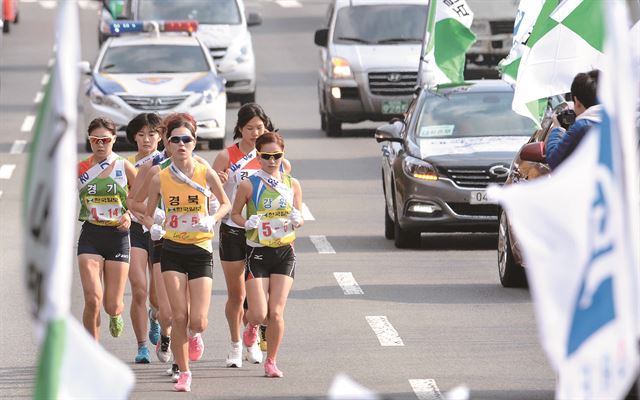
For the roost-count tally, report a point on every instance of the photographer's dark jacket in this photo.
(561, 144)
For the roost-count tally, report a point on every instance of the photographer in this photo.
(560, 142)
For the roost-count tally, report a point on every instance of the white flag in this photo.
(72, 364)
(578, 232)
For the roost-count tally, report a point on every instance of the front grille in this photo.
(489, 210)
(153, 103)
(471, 177)
(217, 53)
(392, 83)
(498, 27)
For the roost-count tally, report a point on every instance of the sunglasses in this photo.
(101, 140)
(184, 139)
(266, 156)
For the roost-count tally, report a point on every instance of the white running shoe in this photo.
(253, 354)
(234, 359)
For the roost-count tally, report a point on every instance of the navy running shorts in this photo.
(262, 262)
(233, 243)
(105, 241)
(140, 238)
(188, 259)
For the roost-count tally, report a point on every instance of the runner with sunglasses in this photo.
(145, 130)
(103, 246)
(233, 165)
(272, 200)
(187, 262)
(140, 192)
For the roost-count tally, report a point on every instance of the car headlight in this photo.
(340, 68)
(206, 97)
(419, 169)
(481, 27)
(239, 51)
(100, 99)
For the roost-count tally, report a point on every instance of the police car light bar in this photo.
(119, 27)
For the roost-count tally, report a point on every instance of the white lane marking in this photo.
(88, 4)
(45, 79)
(306, 214)
(0, 194)
(38, 97)
(51, 62)
(48, 4)
(28, 122)
(348, 283)
(386, 333)
(289, 3)
(426, 389)
(322, 244)
(6, 170)
(28, 1)
(18, 147)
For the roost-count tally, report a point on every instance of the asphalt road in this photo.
(455, 324)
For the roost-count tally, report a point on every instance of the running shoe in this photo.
(253, 354)
(263, 337)
(143, 355)
(116, 325)
(196, 347)
(234, 359)
(163, 349)
(271, 369)
(154, 328)
(184, 382)
(174, 372)
(250, 335)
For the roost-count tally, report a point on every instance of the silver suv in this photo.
(370, 51)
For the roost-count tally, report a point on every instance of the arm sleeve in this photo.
(559, 146)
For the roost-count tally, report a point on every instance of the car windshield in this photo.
(154, 59)
(381, 24)
(463, 114)
(214, 12)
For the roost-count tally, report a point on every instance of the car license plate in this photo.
(479, 197)
(394, 106)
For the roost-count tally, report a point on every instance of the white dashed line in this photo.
(18, 147)
(51, 62)
(306, 214)
(348, 283)
(38, 97)
(28, 122)
(28, 1)
(322, 244)
(0, 194)
(6, 170)
(289, 3)
(45, 79)
(386, 333)
(426, 389)
(48, 4)
(88, 4)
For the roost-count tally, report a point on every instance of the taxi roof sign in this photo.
(120, 27)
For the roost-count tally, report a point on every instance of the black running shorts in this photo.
(188, 259)
(105, 241)
(156, 251)
(262, 262)
(140, 238)
(233, 243)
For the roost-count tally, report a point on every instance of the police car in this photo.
(162, 68)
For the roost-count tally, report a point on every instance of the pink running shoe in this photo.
(196, 347)
(271, 370)
(184, 382)
(250, 335)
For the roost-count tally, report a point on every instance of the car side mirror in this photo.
(389, 132)
(533, 152)
(254, 19)
(85, 67)
(321, 37)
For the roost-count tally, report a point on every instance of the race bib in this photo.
(182, 222)
(104, 210)
(275, 229)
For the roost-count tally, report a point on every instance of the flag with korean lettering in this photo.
(448, 38)
(567, 38)
(71, 363)
(578, 230)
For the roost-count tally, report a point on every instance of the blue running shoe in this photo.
(154, 328)
(143, 355)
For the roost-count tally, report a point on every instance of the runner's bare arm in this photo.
(220, 165)
(242, 197)
(216, 187)
(152, 201)
(297, 197)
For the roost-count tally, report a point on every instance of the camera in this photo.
(566, 118)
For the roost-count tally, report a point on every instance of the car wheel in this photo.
(216, 144)
(389, 229)
(511, 273)
(247, 98)
(404, 238)
(323, 121)
(333, 126)
(5, 27)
